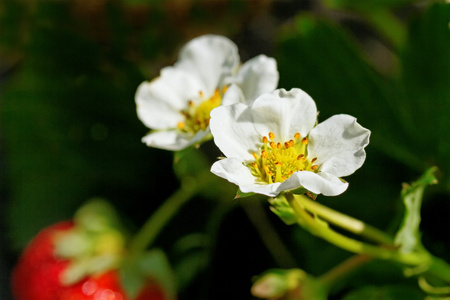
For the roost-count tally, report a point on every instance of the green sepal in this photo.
(283, 210)
(240, 194)
(408, 236)
(299, 191)
(152, 265)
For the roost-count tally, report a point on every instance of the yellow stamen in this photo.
(277, 161)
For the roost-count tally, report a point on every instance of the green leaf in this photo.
(192, 258)
(391, 292)
(425, 87)
(408, 236)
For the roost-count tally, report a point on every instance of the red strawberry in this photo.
(104, 287)
(36, 276)
(108, 287)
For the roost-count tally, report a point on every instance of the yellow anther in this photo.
(224, 89)
(191, 103)
(201, 94)
(277, 161)
(215, 96)
(181, 125)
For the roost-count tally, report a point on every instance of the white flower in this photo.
(274, 146)
(177, 104)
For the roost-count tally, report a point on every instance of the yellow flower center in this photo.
(197, 116)
(276, 162)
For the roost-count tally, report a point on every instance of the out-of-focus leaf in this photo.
(408, 236)
(379, 14)
(191, 251)
(152, 264)
(424, 88)
(322, 59)
(69, 127)
(394, 292)
(366, 5)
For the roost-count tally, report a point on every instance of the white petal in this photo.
(284, 113)
(233, 95)
(234, 132)
(338, 143)
(167, 140)
(212, 58)
(257, 76)
(318, 183)
(235, 172)
(159, 102)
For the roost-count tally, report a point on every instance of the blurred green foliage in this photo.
(69, 131)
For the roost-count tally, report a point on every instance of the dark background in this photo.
(69, 131)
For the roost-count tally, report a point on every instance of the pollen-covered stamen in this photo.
(197, 116)
(277, 161)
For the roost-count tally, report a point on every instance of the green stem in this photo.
(270, 238)
(346, 222)
(322, 230)
(153, 226)
(344, 269)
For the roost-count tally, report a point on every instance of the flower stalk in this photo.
(153, 226)
(432, 265)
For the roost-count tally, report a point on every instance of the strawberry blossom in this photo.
(274, 145)
(177, 104)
